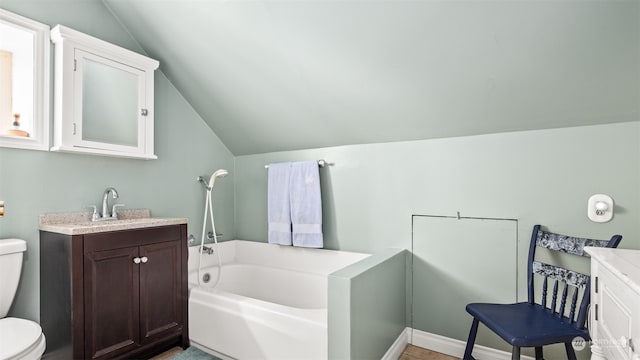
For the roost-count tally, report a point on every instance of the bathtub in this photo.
(270, 303)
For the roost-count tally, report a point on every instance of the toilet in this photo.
(19, 338)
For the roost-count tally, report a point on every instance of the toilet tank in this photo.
(11, 251)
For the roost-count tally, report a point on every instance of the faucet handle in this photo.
(95, 215)
(113, 210)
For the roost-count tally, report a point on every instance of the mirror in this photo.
(109, 102)
(24, 82)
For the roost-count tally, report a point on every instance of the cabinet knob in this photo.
(144, 259)
(136, 260)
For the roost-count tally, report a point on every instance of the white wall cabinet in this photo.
(615, 304)
(103, 102)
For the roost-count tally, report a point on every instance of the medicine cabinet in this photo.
(103, 97)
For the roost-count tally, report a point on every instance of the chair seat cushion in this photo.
(525, 325)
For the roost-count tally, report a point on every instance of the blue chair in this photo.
(528, 324)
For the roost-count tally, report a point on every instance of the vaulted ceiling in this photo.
(272, 75)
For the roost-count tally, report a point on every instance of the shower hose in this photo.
(208, 210)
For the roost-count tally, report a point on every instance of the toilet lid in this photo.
(10, 246)
(17, 335)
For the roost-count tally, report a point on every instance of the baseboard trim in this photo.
(398, 346)
(442, 344)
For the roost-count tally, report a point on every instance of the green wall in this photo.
(37, 182)
(449, 274)
(371, 191)
(545, 176)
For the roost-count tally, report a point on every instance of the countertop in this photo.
(625, 263)
(80, 223)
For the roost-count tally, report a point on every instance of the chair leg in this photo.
(539, 353)
(471, 340)
(571, 354)
(515, 354)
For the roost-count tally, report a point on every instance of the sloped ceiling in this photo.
(271, 75)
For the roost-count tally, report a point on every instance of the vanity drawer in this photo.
(127, 238)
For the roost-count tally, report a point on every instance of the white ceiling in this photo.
(271, 75)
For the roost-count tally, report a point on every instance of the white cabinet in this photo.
(615, 303)
(103, 102)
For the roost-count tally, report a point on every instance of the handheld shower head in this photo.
(216, 174)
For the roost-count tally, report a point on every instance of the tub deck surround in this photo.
(79, 223)
(368, 306)
(270, 303)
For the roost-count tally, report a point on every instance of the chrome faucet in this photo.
(105, 201)
(106, 215)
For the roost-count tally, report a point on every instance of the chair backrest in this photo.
(569, 278)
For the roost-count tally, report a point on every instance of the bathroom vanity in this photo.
(113, 289)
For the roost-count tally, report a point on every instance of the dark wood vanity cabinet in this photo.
(126, 295)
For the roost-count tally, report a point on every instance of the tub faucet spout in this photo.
(206, 249)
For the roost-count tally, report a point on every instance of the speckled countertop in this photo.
(80, 222)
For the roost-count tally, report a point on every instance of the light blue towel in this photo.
(306, 204)
(279, 209)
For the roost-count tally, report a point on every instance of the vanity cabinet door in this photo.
(160, 288)
(111, 298)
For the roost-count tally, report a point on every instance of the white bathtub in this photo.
(270, 303)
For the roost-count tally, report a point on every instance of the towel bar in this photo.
(321, 163)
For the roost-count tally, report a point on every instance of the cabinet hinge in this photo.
(596, 284)
(596, 314)
(144, 112)
(74, 128)
(75, 64)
